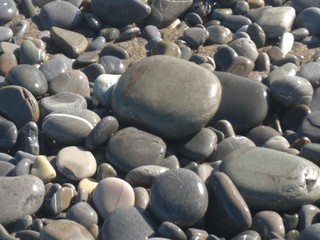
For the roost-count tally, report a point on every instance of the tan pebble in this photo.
(87, 184)
(43, 169)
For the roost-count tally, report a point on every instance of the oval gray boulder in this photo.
(167, 96)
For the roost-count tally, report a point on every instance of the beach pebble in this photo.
(103, 86)
(310, 71)
(112, 65)
(30, 53)
(7, 62)
(224, 57)
(235, 22)
(173, 194)
(134, 97)
(257, 34)
(246, 48)
(195, 36)
(76, 163)
(166, 48)
(6, 33)
(307, 18)
(6, 168)
(53, 68)
(311, 232)
(43, 169)
(218, 35)
(8, 10)
(82, 213)
(8, 133)
(23, 167)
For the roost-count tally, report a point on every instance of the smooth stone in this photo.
(66, 129)
(199, 146)
(65, 229)
(88, 185)
(171, 162)
(93, 21)
(247, 235)
(43, 169)
(28, 138)
(20, 196)
(144, 176)
(166, 48)
(23, 167)
(28, 235)
(105, 170)
(257, 34)
(93, 71)
(292, 91)
(261, 134)
(228, 213)
(241, 66)
(218, 35)
(101, 133)
(311, 232)
(112, 65)
(173, 194)
(8, 134)
(74, 81)
(300, 33)
(97, 44)
(61, 57)
(275, 53)
(28, 77)
(23, 223)
(195, 36)
(293, 118)
(6, 168)
(7, 47)
(171, 231)
(30, 53)
(246, 48)
(5, 34)
(87, 58)
(301, 5)
(83, 213)
(71, 43)
(76, 163)
(224, 57)
(52, 68)
(177, 112)
(163, 17)
(110, 194)
(102, 88)
(307, 18)
(18, 105)
(220, 13)
(309, 127)
(286, 42)
(8, 10)
(128, 34)
(315, 106)
(141, 197)
(109, 33)
(308, 214)
(311, 152)
(289, 58)
(290, 221)
(140, 225)
(263, 62)
(234, 22)
(246, 110)
(266, 223)
(60, 102)
(123, 13)
(277, 143)
(287, 70)
(283, 193)
(150, 31)
(114, 50)
(192, 19)
(60, 14)
(240, 34)
(141, 148)
(273, 20)
(7, 62)
(310, 71)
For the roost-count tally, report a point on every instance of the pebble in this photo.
(284, 193)
(142, 97)
(311, 73)
(76, 163)
(241, 66)
(141, 147)
(114, 50)
(257, 34)
(20, 196)
(309, 127)
(171, 231)
(224, 57)
(311, 232)
(128, 34)
(112, 65)
(83, 213)
(52, 68)
(8, 10)
(43, 169)
(7, 62)
(6, 168)
(30, 53)
(173, 194)
(23, 167)
(234, 22)
(195, 36)
(218, 35)
(308, 215)
(65, 229)
(93, 71)
(6, 34)
(246, 48)
(8, 134)
(166, 48)
(141, 197)
(306, 19)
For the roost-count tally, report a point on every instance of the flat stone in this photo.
(83, 213)
(123, 13)
(300, 33)
(8, 10)
(71, 43)
(28, 77)
(141, 148)
(173, 194)
(60, 14)
(114, 50)
(141, 96)
(282, 193)
(110, 194)
(76, 163)
(18, 105)
(19, 196)
(8, 133)
(65, 229)
(234, 22)
(237, 104)
(140, 219)
(307, 19)
(43, 169)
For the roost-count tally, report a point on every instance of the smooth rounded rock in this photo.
(171, 231)
(246, 48)
(166, 48)
(30, 53)
(8, 10)
(173, 195)
(143, 101)
(287, 182)
(195, 36)
(83, 213)
(141, 197)
(307, 18)
(53, 68)
(7, 62)
(103, 86)
(312, 232)
(8, 133)
(247, 235)
(218, 35)
(310, 126)
(43, 169)
(112, 193)
(6, 168)
(310, 71)
(20, 196)
(308, 214)
(112, 64)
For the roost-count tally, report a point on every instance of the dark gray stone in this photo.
(23, 167)
(257, 34)
(247, 235)
(234, 22)
(112, 65)
(28, 138)
(93, 71)
(97, 44)
(8, 10)
(259, 135)
(308, 214)
(114, 50)
(224, 57)
(246, 48)
(128, 34)
(30, 53)
(150, 31)
(8, 133)
(312, 232)
(310, 127)
(171, 231)
(293, 118)
(307, 19)
(300, 33)
(195, 36)
(311, 71)
(218, 35)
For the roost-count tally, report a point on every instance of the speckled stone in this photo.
(172, 197)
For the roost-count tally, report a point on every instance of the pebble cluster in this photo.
(180, 144)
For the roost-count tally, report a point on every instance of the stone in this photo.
(311, 232)
(150, 31)
(110, 194)
(8, 134)
(71, 43)
(28, 77)
(130, 148)
(228, 213)
(286, 42)
(30, 53)
(93, 71)
(308, 214)
(241, 110)
(109, 34)
(141, 197)
(166, 48)
(28, 234)
(273, 20)
(177, 111)
(128, 34)
(93, 21)
(83, 213)
(112, 65)
(257, 34)
(173, 194)
(310, 71)
(52, 68)
(218, 35)
(246, 48)
(123, 13)
(64, 229)
(28, 138)
(43, 169)
(306, 18)
(18, 105)
(241, 66)
(103, 86)
(97, 44)
(8, 10)
(87, 58)
(282, 192)
(249, 234)
(88, 185)
(171, 231)
(60, 14)
(23, 167)
(301, 5)
(66, 129)
(114, 50)
(311, 152)
(224, 57)
(7, 62)
(261, 134)
(20, 196)
(235, 22)
(195, 36)
(140, 224)
(76, 163)
(6, 168)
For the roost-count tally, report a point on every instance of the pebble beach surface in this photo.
(161, 119)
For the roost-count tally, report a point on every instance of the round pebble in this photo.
(8, 10)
